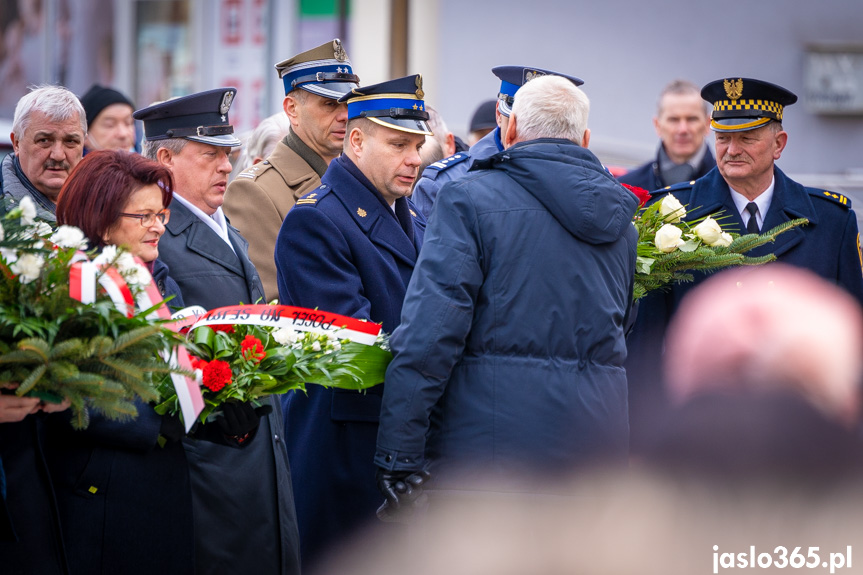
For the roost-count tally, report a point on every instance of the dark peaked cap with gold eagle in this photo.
(741, 104)
(397, 104)
(201, 117)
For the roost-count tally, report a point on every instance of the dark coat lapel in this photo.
(790, 201)
(372, 216)
(250, 273)
(710, 195)
(201, 240)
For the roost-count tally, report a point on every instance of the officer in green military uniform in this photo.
(259, 198)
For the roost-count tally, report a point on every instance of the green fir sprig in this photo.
(658, 269)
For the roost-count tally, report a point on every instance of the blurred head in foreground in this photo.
(764, 366)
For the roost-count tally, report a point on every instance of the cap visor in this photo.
(738, 124)
(405, 125)
(332, 90)
(226, 140)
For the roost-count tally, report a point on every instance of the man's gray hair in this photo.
(263, 140)
(551, 107)
(150, 148)
(433, 149)
(56, 102)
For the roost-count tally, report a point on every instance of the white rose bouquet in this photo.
(53, 346)
(670, 248)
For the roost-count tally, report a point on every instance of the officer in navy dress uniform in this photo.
(456, 166)
(754, 195)
(241, 485)
(349, 247)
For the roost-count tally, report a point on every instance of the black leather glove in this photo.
(171, 428)
(403, 491)
(239, 420)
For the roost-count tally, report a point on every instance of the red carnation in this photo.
(252, 348)
(197, 362)
(225, 327)
(217, 374)
(640, 193)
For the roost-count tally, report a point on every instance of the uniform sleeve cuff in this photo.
(398, 461)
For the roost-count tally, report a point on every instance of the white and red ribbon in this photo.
(83, 277)
(296, 318)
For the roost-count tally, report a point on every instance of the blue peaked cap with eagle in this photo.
(514, 77)
(396, 104)
(325, 71)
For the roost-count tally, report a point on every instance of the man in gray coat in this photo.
(243, 504)
(508, 361)
(48, 132)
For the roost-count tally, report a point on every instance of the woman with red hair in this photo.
(119, 198)
(122, 488)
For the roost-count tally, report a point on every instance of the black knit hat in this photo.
(98, 98)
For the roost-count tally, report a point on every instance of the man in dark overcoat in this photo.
(242, 498)
(753, 195)
(349, 247)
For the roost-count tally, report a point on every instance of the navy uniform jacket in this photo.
(234, 491)
(648, 176)
(456, 166)
(828, 246)
(341, 249)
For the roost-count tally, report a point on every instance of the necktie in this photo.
(752, 224)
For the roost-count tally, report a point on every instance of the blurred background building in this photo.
(626, 50)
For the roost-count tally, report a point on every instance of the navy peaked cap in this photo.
(514, 77)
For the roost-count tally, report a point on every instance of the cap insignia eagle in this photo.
(734, 88)
(227, 99)
(339, 52)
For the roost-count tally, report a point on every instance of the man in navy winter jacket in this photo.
(509, 356)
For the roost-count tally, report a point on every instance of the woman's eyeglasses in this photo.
(148, 220)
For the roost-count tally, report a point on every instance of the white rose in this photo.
(671, 209)
(28, 210)
(708, 230)
(668, 238)
(28, 267)
(724, 240)
(69, 237)
(316, 346)
(9, 254)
